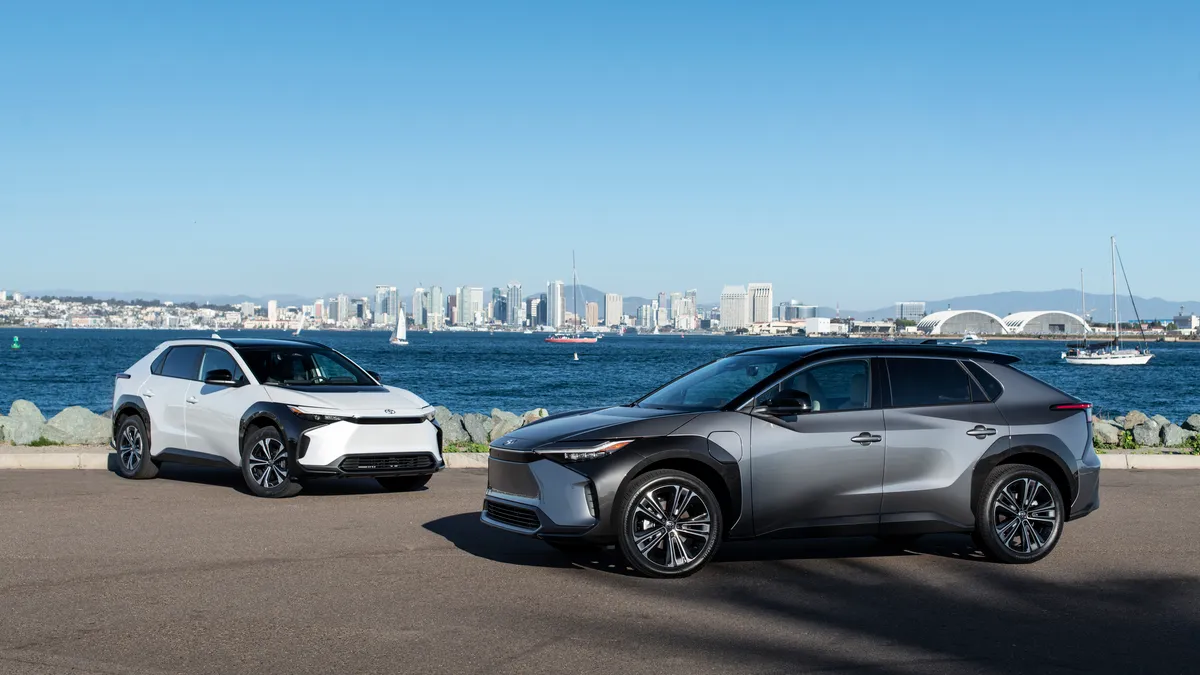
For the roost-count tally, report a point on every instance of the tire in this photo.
(1019, 514)
(403, 483)
(267, 466)
(650, 500)
(133, 449)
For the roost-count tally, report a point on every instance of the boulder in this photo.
(2, 421)
(1119, 420)
(504, 423)
(1106, 433)
(1133, 419)
(1162, 421)
(1146, 434)
(479, 427)
(453, 431)
(441, 415)
(1174, 436)
(538, 413)
(1192, 423)
(22, 431)
(78, 426)
(22, 409)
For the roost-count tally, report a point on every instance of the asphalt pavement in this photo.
(189, 574)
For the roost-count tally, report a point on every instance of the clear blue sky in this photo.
(852, 152)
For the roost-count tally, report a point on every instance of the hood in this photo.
(357, 401)
(603, 424)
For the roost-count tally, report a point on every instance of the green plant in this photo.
(466, 447)
(43, 442)
(1127, 442)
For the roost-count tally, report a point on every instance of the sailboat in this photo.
(300, 325)
(574, 337)
(1113, 354)
(400, 337)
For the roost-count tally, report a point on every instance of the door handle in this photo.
(191, 399)
(148, 393)
(865, 439)
(981, 431)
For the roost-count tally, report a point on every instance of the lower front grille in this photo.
(516, 516)
(413, 461)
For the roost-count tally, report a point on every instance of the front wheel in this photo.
(266, 464)
(671, 524)
(1019, 516)
(403, 483)
(133, 449)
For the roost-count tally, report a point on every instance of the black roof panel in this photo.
(888, 349)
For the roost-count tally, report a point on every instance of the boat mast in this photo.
(1083, 308)
(1112, 242)
(575, 292)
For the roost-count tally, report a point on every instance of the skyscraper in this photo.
(420, 303)
(591, 314)
(513, 302)
(613, 309)
(379, 305)
(556, 309)
(343, 308)
(471, 313)
(319, 310)
(272, 310)
(676, 305)
(735, 308)
(762, 303)
(436, 309)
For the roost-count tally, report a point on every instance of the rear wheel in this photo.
(670, 524)
(1019, 515)
(403, 483)
(133, 449)
(267, 465)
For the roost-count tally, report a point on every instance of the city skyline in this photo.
(910, 142)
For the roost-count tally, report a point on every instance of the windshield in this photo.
(714, 386)
(303, 366)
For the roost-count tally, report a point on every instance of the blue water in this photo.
(512, 371)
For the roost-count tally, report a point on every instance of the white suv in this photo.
(281, 410)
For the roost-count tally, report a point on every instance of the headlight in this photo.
(429, 416)
(581, 452)
(317, 414)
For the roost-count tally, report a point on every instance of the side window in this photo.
(156, 367)
(991, 386)
(182, 362)
(840, 385)
(922, 382)
(216, 358)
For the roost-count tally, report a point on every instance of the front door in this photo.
(214, 411)
(165, 394)
(939, 423)
(819, 472)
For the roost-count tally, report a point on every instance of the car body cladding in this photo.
(1048, 447)
(932, 454)
(727, 436)
(291, 426)
(129, 403)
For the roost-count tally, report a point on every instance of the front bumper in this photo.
(1087, 496)
(539, 498)
(347, 449)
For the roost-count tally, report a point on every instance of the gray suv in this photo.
(893, 441)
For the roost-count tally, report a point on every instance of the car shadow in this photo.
(232, 478)
(473, 537)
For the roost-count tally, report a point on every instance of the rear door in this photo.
(939, 422)
(165, 393)
(214, 411)
(820, 471)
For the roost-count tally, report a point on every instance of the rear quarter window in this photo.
(990, 385)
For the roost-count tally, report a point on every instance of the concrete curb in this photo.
(96, 459)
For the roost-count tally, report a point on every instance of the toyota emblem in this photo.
(389, 411)
(510, 441)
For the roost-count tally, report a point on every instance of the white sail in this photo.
(401, 335)
(300, 325)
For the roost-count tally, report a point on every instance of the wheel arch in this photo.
(127, 405)
(268, 414)
(1038, 452)
(691, 455)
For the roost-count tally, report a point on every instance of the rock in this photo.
(538, 413)
(1162, 421)
(107, 414)
(2, 421)
(78, 426)
(453, 431)
(1146, 434)
(1174, 436)
(1192, 423)
(504, 423)
(1120, 421)
(1106, 433)
(441, 415)
(1133, 419)
(22, 409)
(478, 427)
(22, 431)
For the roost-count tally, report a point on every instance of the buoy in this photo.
(16, 342)
(576, 356)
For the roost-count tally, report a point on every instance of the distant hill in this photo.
(1008, 302)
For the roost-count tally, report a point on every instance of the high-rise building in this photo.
(3, 296)
(762, 303)
(453, 315)
(343, 308)
(420, 303)
(436, 308)
(662, 301)
(536, 310)
(691, 295)
(247, 310)
(272, 311)
(612, 309)
(735, 308)
(379, 305)
(472, 312)
(591, 314)
(513, 303)
(318, 312)
(645, 315)
(794, 311)
(910, 311)
(556, 310)
(676, 304)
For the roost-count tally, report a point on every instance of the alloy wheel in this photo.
(1025, 515)
(130, 449)
(671, 526)
(268, 463)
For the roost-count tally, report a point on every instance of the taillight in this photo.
(1086, 407)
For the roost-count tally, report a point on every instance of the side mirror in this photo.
(220, 377)
(375, 376)
(791, 403)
